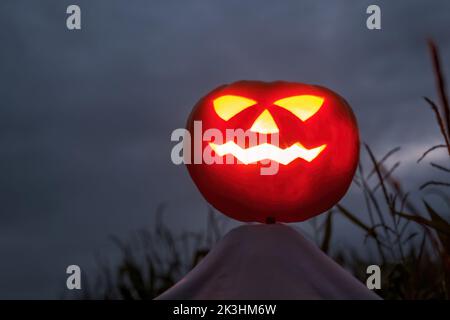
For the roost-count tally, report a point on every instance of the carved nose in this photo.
(264, 124)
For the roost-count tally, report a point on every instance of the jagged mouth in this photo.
(268, 151)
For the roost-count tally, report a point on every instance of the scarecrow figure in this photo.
(274, 153)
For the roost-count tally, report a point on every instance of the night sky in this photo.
(86, 116)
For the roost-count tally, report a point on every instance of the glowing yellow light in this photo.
(264, 124)
(267, 151)
(228, 106)
(304, 107)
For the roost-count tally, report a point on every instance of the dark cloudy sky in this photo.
(86, 116)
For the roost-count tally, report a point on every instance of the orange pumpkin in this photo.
(316, 153)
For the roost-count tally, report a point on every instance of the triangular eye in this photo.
(228, 106)
(303, 107)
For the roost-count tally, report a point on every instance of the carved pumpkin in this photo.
(317, 150)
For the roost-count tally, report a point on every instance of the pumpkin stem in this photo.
(270, 220)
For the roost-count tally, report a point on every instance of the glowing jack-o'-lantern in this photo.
(316, 152)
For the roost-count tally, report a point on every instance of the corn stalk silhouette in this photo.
(415, 269)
